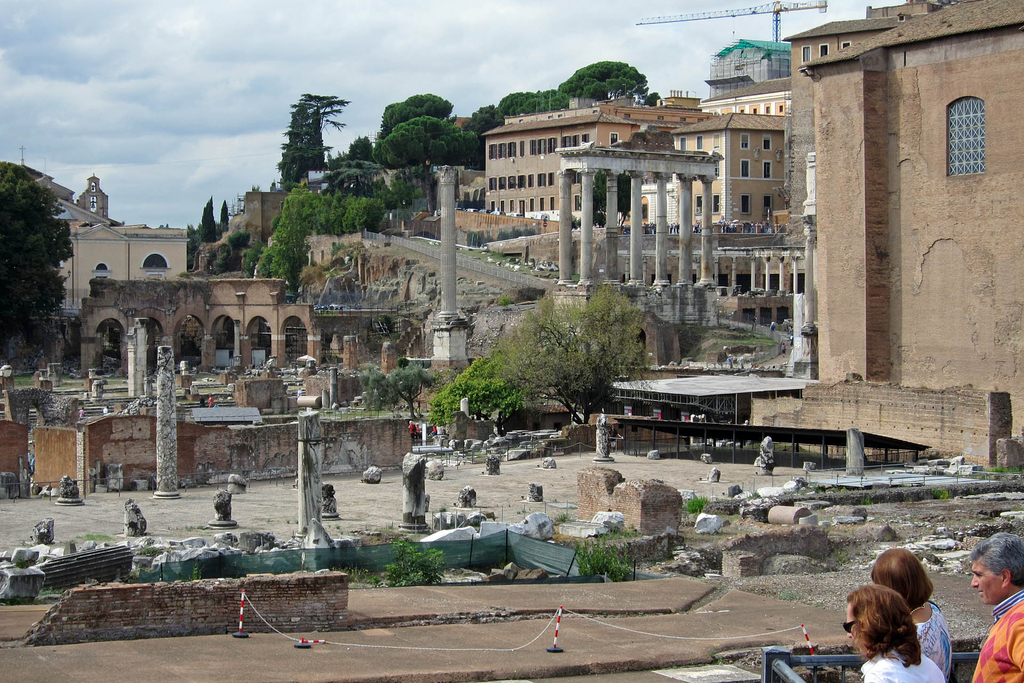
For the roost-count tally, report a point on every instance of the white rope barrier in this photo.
(659, 635)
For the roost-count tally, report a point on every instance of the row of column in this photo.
(684, 190)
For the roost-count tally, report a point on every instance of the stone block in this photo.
(736, 564)
(1010, 453)
(372, 475)
(548, 464)
(733, 490)
(654, 454)
(435, 470)
(613, 521)
(809, 520)
(708, 524)
(20, 583)
(537, 525)
(580, 529)
(24, 555)
(461, 534)
(491, 528)
(714, 475)
(706, 458)
(535, 493)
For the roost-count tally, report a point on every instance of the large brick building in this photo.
(918, 198)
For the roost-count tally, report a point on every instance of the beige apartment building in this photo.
(522, 168)
(771, 98)
(131, 252)
(749, 187)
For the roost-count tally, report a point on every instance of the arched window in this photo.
(101, 266)
(154, 261)
(966, 124)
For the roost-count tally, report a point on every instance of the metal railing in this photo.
(462, 261)
(778, 664)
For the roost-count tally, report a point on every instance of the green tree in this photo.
(601, 194)
(488, 393)
(483, 119)
(33, 242)
(652, 99)
(287, 253)
(208, 226)
(363, 213)
(396, 195)
(574, 352)
(401, 386)
(412, 566)
(412, 108)
(192, 246)
(424, 142)
(606, 80)
(360, 149)
(349, 176)
(304, 149)
(224, 216)
(518, 103)
(251, 258)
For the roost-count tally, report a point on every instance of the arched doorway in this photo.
(189, 341)
(154, 338)
(295, 340)
(259, 333)
(110, 338)
(223, 341)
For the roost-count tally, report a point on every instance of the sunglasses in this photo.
(848, 626)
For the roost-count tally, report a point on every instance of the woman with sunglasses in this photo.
(878, 619)
(900, 570)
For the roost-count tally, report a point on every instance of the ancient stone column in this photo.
(138, 345)
(565, 227)
(685, 194)
(810, 225)
(603, 448)
(611, 227)
(464, 405)
(636, 228)
(166, 426)
(414, 495)
(350, 352)
(854, 453)
(447, 177)
(732, 272)
(236, 352)
(334, 387)
(587, 228)
(661, 233)
(782, 274)
(311, 449)
(794, 272)
(222, 508)
(767, 273)
(706, 236)
(753, 271)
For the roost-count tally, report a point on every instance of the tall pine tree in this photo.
(305, 150)
(224, 215)
(208, 226)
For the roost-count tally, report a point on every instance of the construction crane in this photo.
(774, 8)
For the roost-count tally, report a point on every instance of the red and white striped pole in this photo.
(241, 615)
(807, 638)
(558, 622)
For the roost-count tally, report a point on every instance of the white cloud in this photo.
(170, 104)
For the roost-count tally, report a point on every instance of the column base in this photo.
(168, 495)
(330, 515)
(70, 501)
(222, 524)
(706, 283)
(413, 528)
(603, 458)
(662, 283)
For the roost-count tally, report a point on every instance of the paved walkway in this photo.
(512, 648)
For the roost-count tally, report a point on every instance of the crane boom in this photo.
(774, 8)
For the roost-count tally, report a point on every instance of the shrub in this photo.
(695, 505)
(940, 494)
(599, 557)
(505, 300)
(239, 240)
(414, 567)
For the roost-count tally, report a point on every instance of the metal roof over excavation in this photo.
(715, 385)
(784, 435)
(227, 415)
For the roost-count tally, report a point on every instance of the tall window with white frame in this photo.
(966, 136)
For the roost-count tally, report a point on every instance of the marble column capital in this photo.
(447, 175)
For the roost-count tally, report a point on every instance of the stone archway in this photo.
(223, 331)
(111, 340)
(154, 337)
(188, 341)
(295, 339)
(260, 334)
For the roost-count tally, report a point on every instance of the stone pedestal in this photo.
(333, 387)
(222, 506)
(166, 426)
(69, 494)
(854, 453)
(329, 506)
(450, 344)
(603, 449)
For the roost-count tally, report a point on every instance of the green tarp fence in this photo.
(493, 550)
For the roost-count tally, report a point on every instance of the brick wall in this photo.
(267, 394)
(56, 451)
(648, 506)
(126, 439)
(13, 445)
(291, 602)
(955, 421)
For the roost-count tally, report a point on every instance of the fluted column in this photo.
(732, 272)
(684, 191)
(661, 232)
(565, 227)
(166, 426)
(753, 271)
(447, 178)
(611, 227)
(706, 236)
(782, 274)
(587, 228)
(767, 272)
(636, 229)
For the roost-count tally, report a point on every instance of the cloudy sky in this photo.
(171, 103)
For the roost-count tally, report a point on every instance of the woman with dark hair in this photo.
(878, 619)
(900, 570)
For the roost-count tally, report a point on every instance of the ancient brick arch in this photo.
(170, 303)
(53, 410)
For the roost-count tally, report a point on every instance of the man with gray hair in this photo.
(997, 564)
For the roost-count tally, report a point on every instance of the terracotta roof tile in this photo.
(564, 122)
(735, 122)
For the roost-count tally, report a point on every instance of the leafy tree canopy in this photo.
(224, 214)
(489, 395)
(351, 176)
(287, 252)
(396, 195)
(33, 242)
(574, 352)
(606, 80)
(483, 119)
(360, 149)
(423, 142)
(402, 386)
(414, 107)
(304, 149)
(518, 103)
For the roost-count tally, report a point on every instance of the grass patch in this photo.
(696, 505)
(940, 494)
(150, 551)
(791, 596)
(99, 538)
(866, 500)
(598, 557)
(563, 517)
(414, 567)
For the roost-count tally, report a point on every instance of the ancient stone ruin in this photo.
(492, 465)
(330, 504)
(647, 505)
(414, 495)
(372, 475)
(222, 507)
(765, 461)
(467, 498)
(603, 448)
(134, 522)
(69, 494)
